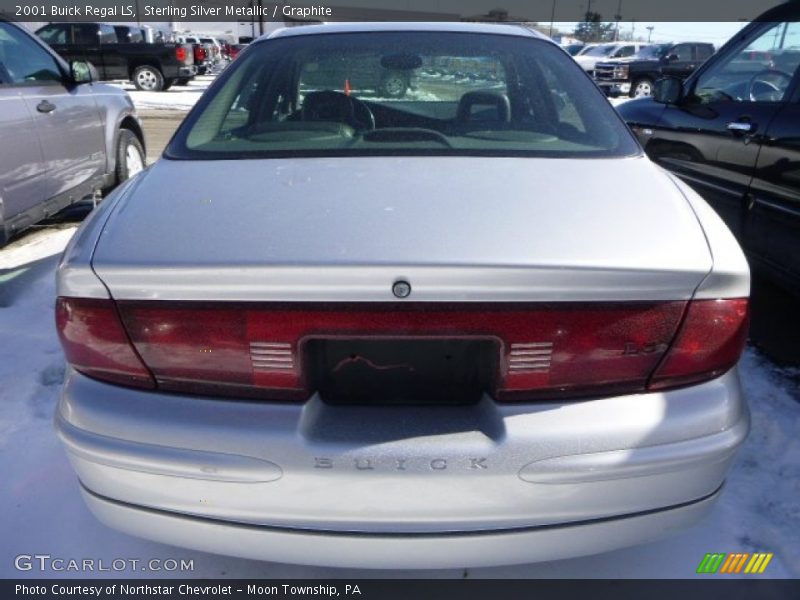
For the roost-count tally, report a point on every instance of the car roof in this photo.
(512, 29)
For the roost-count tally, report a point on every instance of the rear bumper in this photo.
(355, 550)
(401, 486)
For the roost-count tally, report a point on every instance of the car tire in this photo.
(182, 81)
(393, 85)
(148, 79)
(642, 87)
(131, 158)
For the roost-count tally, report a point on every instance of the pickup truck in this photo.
(151, 67)
(597, 53)
(636, 75)
(202, 52)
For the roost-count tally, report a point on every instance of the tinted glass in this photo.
(761, 71)
(653, 52)
(625, 51)
(22, 60)
(403, 93)
(55, 34)
(682, 51)
(106, 34)
(704, 52)
(599, 51)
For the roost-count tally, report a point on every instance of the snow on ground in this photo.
(178, 97)
(43, 513)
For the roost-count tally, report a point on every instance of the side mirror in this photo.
(668, 90)
(82, 72)
(671, 57)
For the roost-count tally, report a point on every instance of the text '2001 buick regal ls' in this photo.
(337, 327)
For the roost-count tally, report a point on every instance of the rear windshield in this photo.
(402, 93)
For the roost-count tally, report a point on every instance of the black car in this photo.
(732, 131)
(151, 67)
(636, 75)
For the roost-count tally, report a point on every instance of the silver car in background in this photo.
(63, 136)
(332, 327)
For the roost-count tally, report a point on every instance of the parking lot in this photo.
(41, 499)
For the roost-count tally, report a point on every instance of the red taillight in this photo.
(96, 344)
(544, 351)
(180, 54)
(709, 342)
(199, 54)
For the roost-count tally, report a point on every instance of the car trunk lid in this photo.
(458, 229)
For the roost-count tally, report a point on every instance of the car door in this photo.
(87, 40)
(680, 61)
(773, 224)
(712, 137)
(115, 61)
(21, 162)
(65, 117)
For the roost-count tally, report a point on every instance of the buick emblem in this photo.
(401, 289)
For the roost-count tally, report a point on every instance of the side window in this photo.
(683, 52)
(85, 35)
(760, 71)
(625, 51)
(25, 61)
(55, 34)
(106, 34)
(704, 52)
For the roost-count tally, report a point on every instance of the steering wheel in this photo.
(329, 105)
(773, 90)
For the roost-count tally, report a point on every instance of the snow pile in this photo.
(43, 513)
(762, 503)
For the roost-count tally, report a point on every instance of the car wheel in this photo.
(168, 83)
(642, 87)
(394, 85)
(148, 79)
(130, 155)
(182, 81)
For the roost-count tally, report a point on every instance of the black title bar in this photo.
(702, 588)
(538, 11)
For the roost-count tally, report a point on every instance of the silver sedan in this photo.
(465, 324)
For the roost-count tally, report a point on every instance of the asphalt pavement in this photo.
(159, 125)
